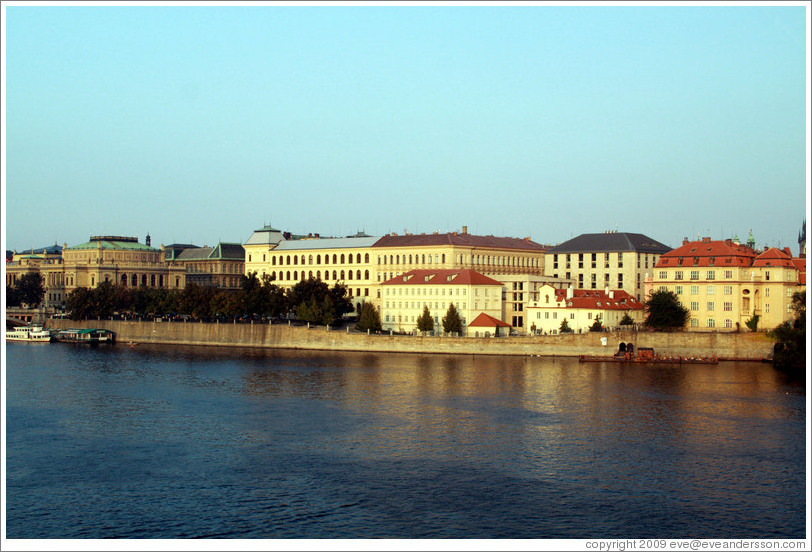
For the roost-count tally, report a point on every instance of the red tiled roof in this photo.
(442, 277)
(774, 257)
(589, 299)
(487, 321)
(463, 240)
(699, 253)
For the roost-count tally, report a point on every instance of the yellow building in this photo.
(46, 261)
(363, 263)
(404, 297)
(618, 260)
(724, 283)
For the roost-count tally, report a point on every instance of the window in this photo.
(710, 290)
(710, 306)
(594, 259)
(580, 260)
(727, 290)
(728, 323)
(711, 275)
(663, 275)
(767, 275)
(694, 275)
(766, 308)
(678, 275)
(694, 323)
(728, 274)
(694, 305)
(694, 290)
(766, 292)
(678, 290)
(711, 323)
(727, 306)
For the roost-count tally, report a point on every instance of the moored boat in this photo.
(85, 335)
(33, 334)
(645, 355)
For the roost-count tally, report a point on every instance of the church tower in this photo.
(802, 240)
(751, 241)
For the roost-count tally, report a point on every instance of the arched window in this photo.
(287, 260)
(303, 260)
(318, 275)
(349, 292)
(318, 259)
(443, 258)
(310, 274)
(410, 259)
(366, 258)
(335, 275)
(334, 258)
(295, 275)
(287, 275)
(358, 258)
(134, 280)
(310, 260)
(349, 274)
(366, 275)
(358, 275)
(423, 259)
(144, 280)
(397, 259)
(342, 274)
(342, 258)
(273, 275)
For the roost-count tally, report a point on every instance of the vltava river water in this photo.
(174, 442)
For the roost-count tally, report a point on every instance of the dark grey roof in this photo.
(234, 251)
(195, 253)
(610, 241)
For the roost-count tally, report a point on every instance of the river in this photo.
(180, 442)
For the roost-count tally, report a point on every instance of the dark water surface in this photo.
(176, 442)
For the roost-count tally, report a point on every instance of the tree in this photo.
(664, 311)
(626, 320)
(452, 321)
(425, 323)
(789, 352)
(596, 325)
(31, 289)
(79, 303)
(369, 319)
(12, 296)
(565, 327)
(753, 323)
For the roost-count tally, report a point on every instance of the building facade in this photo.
(221, 266)
(580, 308)
(404, 297)
(618, 260)
(724, 283)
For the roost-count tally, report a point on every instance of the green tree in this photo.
(79, 303)
(425, 323)
(31, 289)
(596, 325)
(309, 311)
(452, 321)
(753, 323)
(12, 297)
(789, 352)
(369, 319)
(626, 320)
(565, 327)
(664, 311)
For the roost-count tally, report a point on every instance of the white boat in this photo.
(36, 334)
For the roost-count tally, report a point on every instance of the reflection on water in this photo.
(185, 442)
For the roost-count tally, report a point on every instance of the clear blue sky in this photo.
(198, 124)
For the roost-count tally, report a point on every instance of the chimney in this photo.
(569, 293)
(788, 252)
(685, 241)
(464, 229)
(706, 240)
(611, 294)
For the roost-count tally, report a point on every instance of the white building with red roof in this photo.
(580, 308)
(724, 283)
(404, 297)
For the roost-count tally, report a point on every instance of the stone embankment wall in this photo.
(727, 346)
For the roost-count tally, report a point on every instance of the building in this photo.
(220, 266)
(404, 297)
(519, 291)
(618, 260)
(46, 261)
(580, 308)
(724, 283)
(363, 263)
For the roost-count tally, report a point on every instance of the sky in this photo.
(199, 124)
